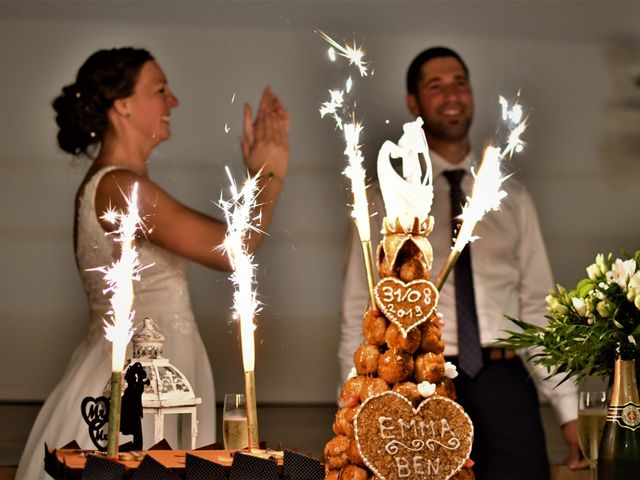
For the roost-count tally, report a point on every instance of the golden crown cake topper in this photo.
(396, 238)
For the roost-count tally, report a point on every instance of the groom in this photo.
(510, 276)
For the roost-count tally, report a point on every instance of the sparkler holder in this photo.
(113, 435)
(446, 268)
(252, 410)
(368, 264)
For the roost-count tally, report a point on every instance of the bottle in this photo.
(619, 455)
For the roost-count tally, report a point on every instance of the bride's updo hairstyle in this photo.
(81, 109)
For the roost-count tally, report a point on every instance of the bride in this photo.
(115, 113)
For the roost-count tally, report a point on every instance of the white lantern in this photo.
(169, 391)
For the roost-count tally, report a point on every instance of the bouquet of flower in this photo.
(586, 323)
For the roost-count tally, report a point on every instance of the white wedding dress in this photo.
(161, 294)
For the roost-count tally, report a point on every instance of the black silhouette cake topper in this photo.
(95, 411)
(131, 418)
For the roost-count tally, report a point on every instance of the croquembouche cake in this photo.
(397, 416)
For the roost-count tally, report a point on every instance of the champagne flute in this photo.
(592, 411)
(234, 422)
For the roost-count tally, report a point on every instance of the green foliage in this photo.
(585, 323)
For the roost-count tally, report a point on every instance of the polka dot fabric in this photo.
(246, 467)
(98, 468)
(200, 469)
(151, 469)
(301, 467)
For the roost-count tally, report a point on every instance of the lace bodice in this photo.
(162, 292)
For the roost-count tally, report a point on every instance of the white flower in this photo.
(580, 306)
(600, 262)
(554, 306)
(637, 302)
(634, 286)
(352, 373)
(426, 389)
(620, 272)
(603, 309)
(450, 370)
(593, 271)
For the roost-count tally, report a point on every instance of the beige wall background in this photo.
(575, 63)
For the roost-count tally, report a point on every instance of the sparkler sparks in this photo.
(512, 116)
(354, 54)
(241, 221)
(335, 107)
(120, 276)
(487, 189)
(332, 54)
(355, 171)
(349, 85)
(486, 196)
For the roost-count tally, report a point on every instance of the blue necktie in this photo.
(469, 348)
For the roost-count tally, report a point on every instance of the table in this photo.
(562, 472)
(69, 463)
(72, 464)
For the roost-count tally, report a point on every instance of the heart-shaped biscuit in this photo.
(406, 304)
(397, 441)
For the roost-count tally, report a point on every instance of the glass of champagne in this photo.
(234, 422)
(592, 411)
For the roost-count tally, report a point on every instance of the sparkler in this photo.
(355, 171)
(241, 220)
(119, 328)
(487, 189)
(354, 54)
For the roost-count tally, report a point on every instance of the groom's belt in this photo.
(491, 354)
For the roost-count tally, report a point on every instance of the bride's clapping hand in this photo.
(265, 142)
